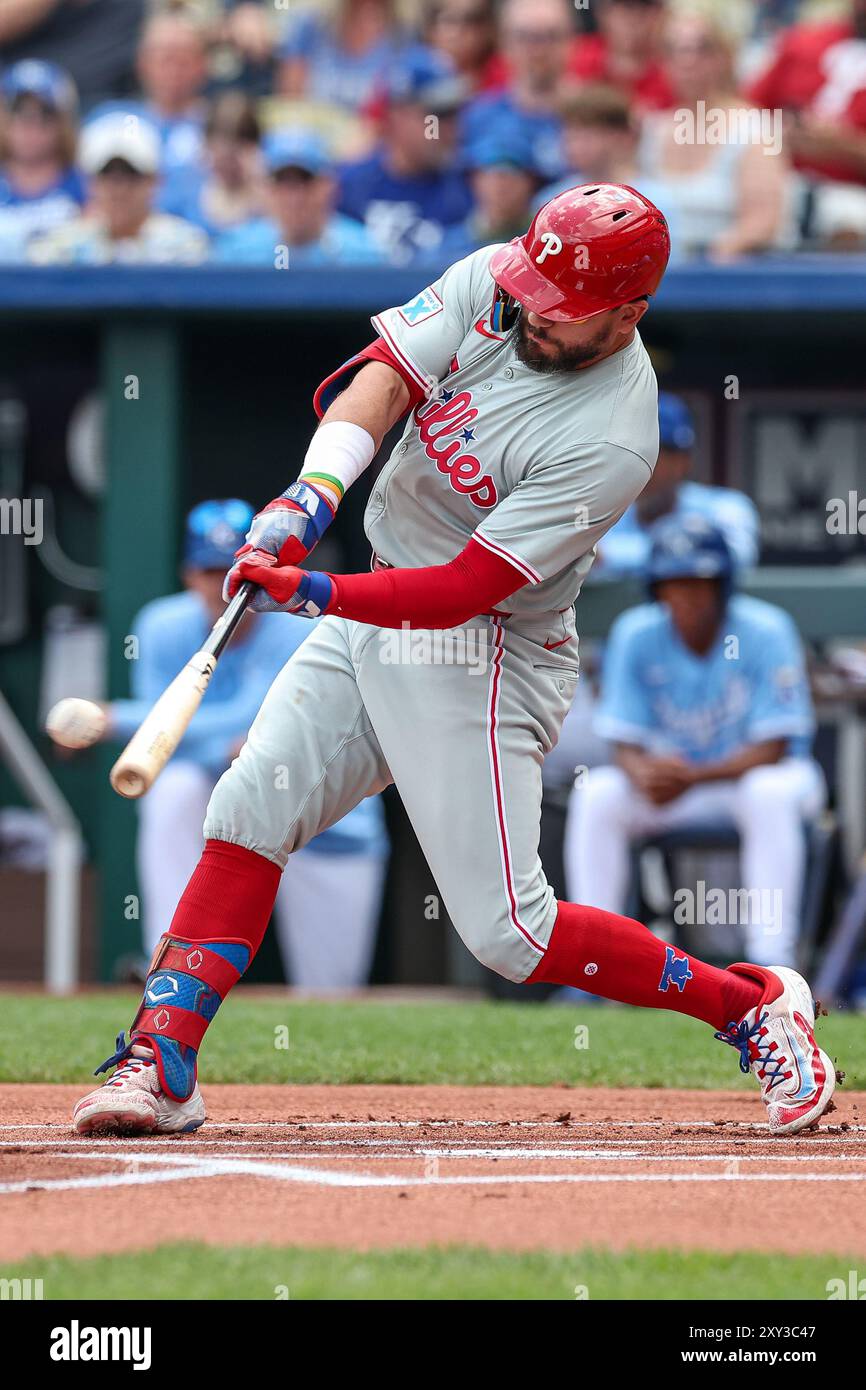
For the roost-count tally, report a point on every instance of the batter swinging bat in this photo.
(153, 743)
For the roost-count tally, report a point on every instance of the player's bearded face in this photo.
(562, 347)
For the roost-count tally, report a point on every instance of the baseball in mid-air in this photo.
(75, 723)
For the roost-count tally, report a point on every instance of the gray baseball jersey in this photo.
(535, 467)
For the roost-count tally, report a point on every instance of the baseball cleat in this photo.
(132, 1102)
(776, 1042)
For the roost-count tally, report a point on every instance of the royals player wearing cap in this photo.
(531, 424)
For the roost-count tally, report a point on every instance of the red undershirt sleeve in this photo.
(436, 596)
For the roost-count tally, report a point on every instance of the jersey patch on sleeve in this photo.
(424, 306)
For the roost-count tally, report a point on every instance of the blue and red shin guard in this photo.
(216, 930)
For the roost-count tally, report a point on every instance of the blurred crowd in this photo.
(275, 133)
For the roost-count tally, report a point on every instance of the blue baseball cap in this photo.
(689, 547)
(426, 78)
(676, 426)
(49, 83)
(295, 149)
(214, 531)
(506, 147)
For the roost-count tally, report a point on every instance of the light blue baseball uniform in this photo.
(168, 631)
(749, 687)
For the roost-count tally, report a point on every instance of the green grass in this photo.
(193, 1271)
(473, 1043)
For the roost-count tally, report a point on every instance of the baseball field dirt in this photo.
(378, 1167)
(424, 1147)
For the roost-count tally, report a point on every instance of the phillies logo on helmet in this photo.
(552, 247)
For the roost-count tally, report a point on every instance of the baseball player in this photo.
(705, 703)
(530, 411)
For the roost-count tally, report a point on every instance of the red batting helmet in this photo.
(589, 249)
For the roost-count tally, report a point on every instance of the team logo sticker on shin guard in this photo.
(676, 971)
(159, 988)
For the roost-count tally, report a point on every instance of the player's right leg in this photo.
(310, 757)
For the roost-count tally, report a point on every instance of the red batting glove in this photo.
(284, 588)
(280, 581)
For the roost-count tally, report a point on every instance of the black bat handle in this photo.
(226, 625)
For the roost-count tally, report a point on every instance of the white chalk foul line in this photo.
(112, 1179)
(191, 1167)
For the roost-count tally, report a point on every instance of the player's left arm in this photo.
(433, 596)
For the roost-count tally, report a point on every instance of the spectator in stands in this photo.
(706, 702)
(599, 134)
(818, 77)
(536, 39)
(600, 142)
(120, 154)
(758, 25)
(727, 188)
(172, 69)
(407, 192)
(93, 40)
(838, 217)
(301, 228)
(340, 59)
(465, 31)
(504, 182)
(228, 190)
(328, 905)
(244, 37)
(670, 492)
(626, 52)
(39, 185)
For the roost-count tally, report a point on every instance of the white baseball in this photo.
(75, 723)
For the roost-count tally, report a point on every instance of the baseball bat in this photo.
(159, 733)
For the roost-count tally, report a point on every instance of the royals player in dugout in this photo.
(530, 410)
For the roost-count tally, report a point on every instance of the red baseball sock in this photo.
(619, 958)
(225, 908)
(229, 896)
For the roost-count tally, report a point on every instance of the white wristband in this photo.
(338, 454)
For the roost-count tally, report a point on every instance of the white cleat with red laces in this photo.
(776, 1042)
(131, 1102)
